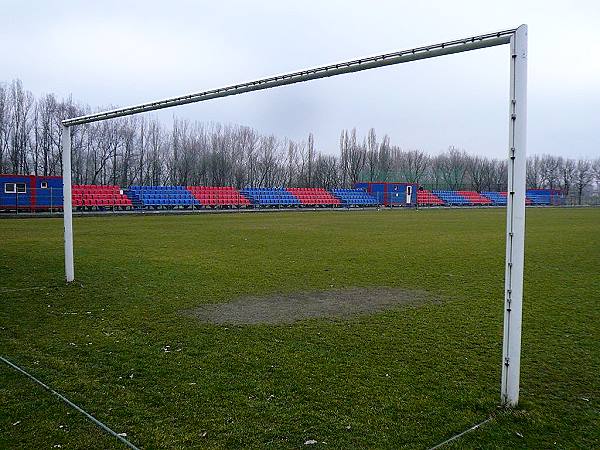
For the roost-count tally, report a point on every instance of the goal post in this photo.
(515, 210)
(515, 217)
(65, 145)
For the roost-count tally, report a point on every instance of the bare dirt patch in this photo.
(289, 308)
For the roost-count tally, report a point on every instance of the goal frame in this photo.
(517, 143)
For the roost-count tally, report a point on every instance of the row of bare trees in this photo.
(142, 150)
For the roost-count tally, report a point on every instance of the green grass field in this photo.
(407, 377)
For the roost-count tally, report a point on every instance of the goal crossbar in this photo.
(330, 70)
(517, 143)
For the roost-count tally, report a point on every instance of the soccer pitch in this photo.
(127, 344)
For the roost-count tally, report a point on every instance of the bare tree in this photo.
(372, 155)
(550, 171)
(568, 169)
(384, 159)
(596, 170)
(268, 159)
(344, 157)
(476, 170)
(21, 103)
(583, 177)
(310, 148)
(534, 172)
(357, 154)
(413, 165)
(4, 128)
(453, 166)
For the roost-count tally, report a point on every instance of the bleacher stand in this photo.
(270, 197)
(99, 196)
(162, 197)
(499, 198)
(314, 197)
(218, 196)
(428, 198)
(452, 198)
(541, 196)
(495, 197)
(474, 198)
(354, 197)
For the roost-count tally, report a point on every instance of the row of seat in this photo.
(474, 198)
(354, 197)
(471, 198)
(314, 196)
(425, 197)
(162, 197)
(78, 202)
(540, 199)
(99, 196)
(452, 198)
(497, 198)
(218, 196)
(270, 196)
(103, 196)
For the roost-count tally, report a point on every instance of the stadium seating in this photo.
(99, 196)
(425, 197)
(497, 198)
(452, 198)
(314, 197)
(218, 196)
(539, 198)
(165, 197)
(270, 197)
(354, 197)
(474, 198)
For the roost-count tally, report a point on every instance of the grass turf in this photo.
(116, 344)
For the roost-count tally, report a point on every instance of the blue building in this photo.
(391, 193)
(30, 192)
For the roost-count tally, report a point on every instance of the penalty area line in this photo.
(71, 404)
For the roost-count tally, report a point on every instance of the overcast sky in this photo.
(125, 52)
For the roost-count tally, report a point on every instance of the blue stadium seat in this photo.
(270, 196)
(496, 197)
(452, 198)
(161, 196)
(354, 197)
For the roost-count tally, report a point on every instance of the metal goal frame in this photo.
(517, 143)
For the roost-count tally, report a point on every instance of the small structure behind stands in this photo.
(30, 193)
(391, 193)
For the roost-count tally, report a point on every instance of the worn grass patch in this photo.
(117, 344)
(293, 307)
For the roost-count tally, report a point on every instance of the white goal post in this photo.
(517, 143)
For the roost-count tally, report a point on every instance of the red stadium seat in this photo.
(99, 195)
(314, 197)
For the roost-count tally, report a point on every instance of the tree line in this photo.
(143, 150)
